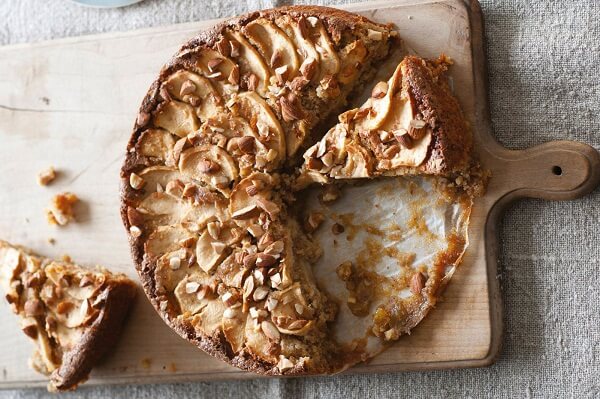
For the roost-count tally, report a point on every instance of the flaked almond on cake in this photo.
(225, 244)
(74, 315)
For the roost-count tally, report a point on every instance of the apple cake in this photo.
(73, 314)
(214, 199)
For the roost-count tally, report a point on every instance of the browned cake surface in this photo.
(74, 315)
(207, 184)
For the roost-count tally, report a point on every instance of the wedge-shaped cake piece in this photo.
(411, 124)
(73, 314)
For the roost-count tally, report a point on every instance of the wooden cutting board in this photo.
(71, 103)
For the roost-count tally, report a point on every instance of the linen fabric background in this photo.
(543, 58)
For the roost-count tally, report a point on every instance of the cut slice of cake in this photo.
(411, 124)
(73, 314)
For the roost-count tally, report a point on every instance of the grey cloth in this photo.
(543, 60)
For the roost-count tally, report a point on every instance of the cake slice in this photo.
(411, 124)
(73, 314)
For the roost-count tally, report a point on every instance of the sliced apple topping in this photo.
(251, 196)
(197, 91)
(211, 316)
(191, 292)
(166, 239)
(156, 143)
(177, 117)
(209, 251)
(329, 62)
(352, 56)
(250, 62)
(275, 46)
(172, 267)
(377, 108)
(258, 343)
(211, 165)
(299, 31)
(254, 109)
(217, 68)
(234, 327)
(156, 178)
(291, 315)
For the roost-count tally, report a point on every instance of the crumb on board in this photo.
(51, 241)
(146, 362)
(61, 212)
(46, 176)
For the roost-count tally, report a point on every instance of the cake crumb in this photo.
(61, 212)
(46, 176)
(51, 241)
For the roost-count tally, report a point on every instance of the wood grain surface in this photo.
(71, 103)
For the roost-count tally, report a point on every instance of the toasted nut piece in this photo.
(135, 231)
(270, 330)
(178, 149)
(308, 68)
(234, 75)
(252, 190)
(230, 299)
(46, 176)
(229, 313)
(380, 90)
(298, 324)
(315, 164)
(275, 248)
(260, 293)
(250, 80)
(249, 260)
(175, 188)
(271, 304)
(276, 59)
(246, 144)
(248, 287)
(417, 128)
(290, 108)
(174, 263)
(214, 63)
(391, 334)
(208, 166)
(391, 151)
(265, 260)
(33, 307)
(417, 282)
(299, 308)
(327, 159)
(285, 363)
(223, 47)
(235, 48)
(247, 212)
(135, 181)
(31, 331)
(337, 228)
(134, 217)
(143, 118)
(374, 34)
(192, 287)
(281, 73)
(298, 83)
(404, 138)
(256, 230)
(187, 87)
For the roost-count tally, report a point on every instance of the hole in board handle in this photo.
(557, 170)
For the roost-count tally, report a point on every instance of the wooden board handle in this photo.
(558, 170)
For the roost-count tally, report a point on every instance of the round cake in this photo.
(213, 186)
